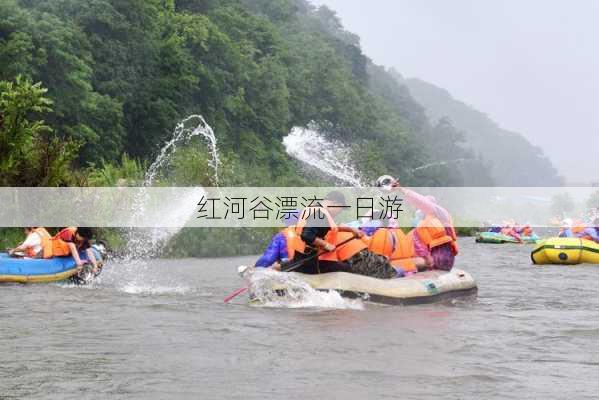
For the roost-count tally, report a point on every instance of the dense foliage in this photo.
(121, 74)
(90, 89)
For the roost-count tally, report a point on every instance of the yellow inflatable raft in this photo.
(566, 251)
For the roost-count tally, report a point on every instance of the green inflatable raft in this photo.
(499, 238)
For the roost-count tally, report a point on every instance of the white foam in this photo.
(149, 289)
(298, 294)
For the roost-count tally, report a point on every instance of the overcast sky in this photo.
(532, 65)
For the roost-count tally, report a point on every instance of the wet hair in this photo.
(85, 233)
(443, 257)
(336, 197)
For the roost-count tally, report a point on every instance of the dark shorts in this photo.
(370, 264)
(309, 264)
(363, 263)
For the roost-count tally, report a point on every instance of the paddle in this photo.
(290, 268)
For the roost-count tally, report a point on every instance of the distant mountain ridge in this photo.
(513, 160)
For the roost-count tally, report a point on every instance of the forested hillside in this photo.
(514, 161)
(120, 74)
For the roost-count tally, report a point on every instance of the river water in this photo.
(531, 333)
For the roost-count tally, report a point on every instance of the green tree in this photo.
(30, 154)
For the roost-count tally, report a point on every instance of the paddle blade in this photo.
(235, 294)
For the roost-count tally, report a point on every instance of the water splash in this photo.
(182, 134)
(149, 242)
(309, 146)
(441, 164)
(265, 288)
(144, 244)
(154, 289)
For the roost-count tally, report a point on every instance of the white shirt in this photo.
(34, 241)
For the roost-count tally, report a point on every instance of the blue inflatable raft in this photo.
(27, 270)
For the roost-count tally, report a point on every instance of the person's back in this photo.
(34, 243)
(437, 226)
(323, 246)
(279, 250)
(276, 252)
(70, 242)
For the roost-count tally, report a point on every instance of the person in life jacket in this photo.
(434, 239)
(322, 246)
(525, 230)
(577, 229)
(596, 228)
(32, 246)
(510, 228)
(279, 251)
(494, 228)
(565, 229)
(69, 242)
(396, 246)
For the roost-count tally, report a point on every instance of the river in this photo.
(531, 333)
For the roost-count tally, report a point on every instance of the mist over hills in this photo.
(513, 160)
(120, 75)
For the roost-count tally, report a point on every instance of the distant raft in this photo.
(27, 270)
(566, 251)
(499, 238)
(420, 288)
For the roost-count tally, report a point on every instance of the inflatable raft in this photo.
(499, 238)
(420, 288)
(566, 251)
(28, 270)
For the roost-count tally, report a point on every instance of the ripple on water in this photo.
(165, 332)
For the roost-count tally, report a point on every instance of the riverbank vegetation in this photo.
(90, 90)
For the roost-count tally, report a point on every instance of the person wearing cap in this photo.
(278, 251)
(434, 239)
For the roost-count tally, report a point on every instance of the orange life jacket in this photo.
(45, 236)
(433, 233)
(578, 227)
(403, 252)
(290, 238)
(579, 231)
(350, 248)
(396, 246)
(58, 247)
(296, 242)
(381, 242)
(333, 236)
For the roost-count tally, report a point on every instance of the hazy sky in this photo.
(532, 65)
